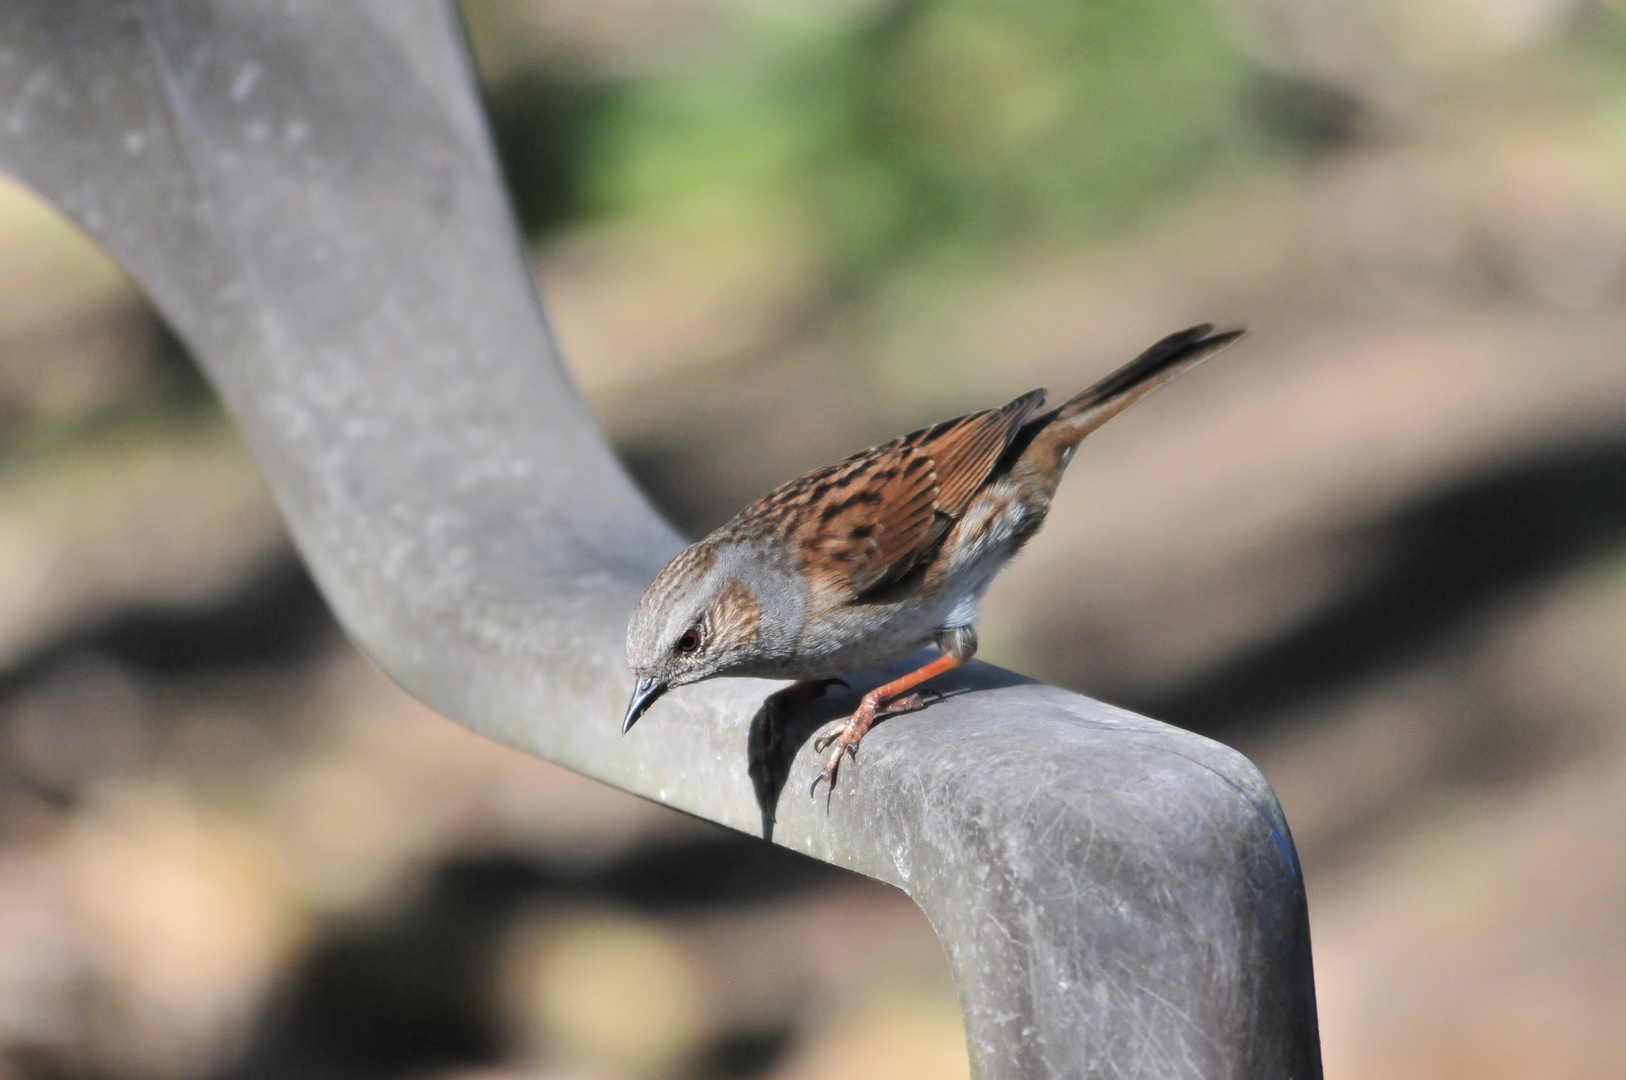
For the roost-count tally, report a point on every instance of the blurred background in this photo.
(1380, 547)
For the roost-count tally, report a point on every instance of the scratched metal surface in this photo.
(307, 192)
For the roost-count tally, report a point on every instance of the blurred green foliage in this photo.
(876, 133)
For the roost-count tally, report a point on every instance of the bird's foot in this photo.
(896, 695)
(845, 739)
(850, 731)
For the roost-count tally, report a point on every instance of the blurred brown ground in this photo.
(1381, 547)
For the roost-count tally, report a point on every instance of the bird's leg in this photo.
(846, 738)
(959, 645)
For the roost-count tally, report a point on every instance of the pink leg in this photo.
(850, 734)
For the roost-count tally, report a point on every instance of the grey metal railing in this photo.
(307, 192)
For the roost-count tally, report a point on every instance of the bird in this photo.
(858, 564)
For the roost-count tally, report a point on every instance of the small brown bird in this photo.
(862, 562)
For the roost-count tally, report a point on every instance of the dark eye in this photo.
(690, 641)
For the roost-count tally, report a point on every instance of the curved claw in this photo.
(846, 737)
(832, 769)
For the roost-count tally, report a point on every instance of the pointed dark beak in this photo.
(643, 696)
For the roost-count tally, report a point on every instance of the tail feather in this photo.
(1168, 359)
(1046, 442)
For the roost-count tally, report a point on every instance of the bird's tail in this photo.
(1053, 435)
(1173, 356)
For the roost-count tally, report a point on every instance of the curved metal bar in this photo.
(307, 192)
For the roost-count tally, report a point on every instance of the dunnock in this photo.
(862, 562)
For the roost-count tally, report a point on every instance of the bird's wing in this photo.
(860, 525)
(966, 449)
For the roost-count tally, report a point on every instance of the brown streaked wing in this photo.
(967, 449)
(869, 518)
(859, 530)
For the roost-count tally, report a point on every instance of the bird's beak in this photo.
(643, 696)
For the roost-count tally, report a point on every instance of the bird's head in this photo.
(696, 621)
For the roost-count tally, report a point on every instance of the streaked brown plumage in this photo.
(862, 562)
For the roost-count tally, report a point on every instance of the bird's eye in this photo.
(690, 641)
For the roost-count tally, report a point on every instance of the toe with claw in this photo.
(845, 739)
